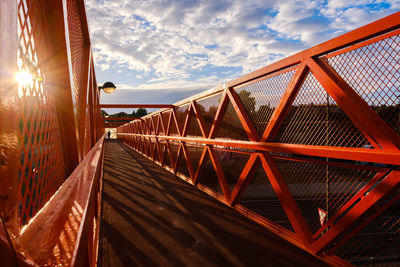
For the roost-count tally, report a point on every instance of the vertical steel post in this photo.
(54, 15)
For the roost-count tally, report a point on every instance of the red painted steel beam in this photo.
(375, 180)
(83, 20)
(363, 43)
(199, 118)
(374, 128)
(187, 119)
(364, 223)
(119, 119)
(285, 103)
(219, 114)
(348, 153)
(57, 58)
(242, 115)
(85, 239)
(248, 171)
(82, 105)
(168, 130)
(200, 167)
(220, 174)
(188, 161)
(153, 125)
(162, 123)
(114, 123)
(74, 199)
(174, 119)
(371, 30)
(136, 106)
(386, 187)
(91, 110)
(158, 150)
(285, 197)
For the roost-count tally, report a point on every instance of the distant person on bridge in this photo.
(108, 134)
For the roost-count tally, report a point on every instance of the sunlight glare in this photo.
(24, 78)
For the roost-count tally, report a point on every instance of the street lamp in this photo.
(108, 87)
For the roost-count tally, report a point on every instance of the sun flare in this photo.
(24, 78)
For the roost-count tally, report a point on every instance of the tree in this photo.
(230, 126)
(248, 101)
(120, 115)
(141, 112)
(103, 112)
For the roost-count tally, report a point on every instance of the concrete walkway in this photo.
(152, 218)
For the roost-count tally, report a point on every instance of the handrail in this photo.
(136, 106)
(66, 221)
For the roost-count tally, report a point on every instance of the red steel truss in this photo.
(307, 147)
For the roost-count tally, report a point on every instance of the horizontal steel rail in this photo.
(71, 212)
(135, 106)
(308, 147)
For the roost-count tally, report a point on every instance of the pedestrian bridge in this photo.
(297, 163)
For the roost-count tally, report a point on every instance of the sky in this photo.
(160, 52)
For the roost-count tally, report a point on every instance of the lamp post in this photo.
(108, 87)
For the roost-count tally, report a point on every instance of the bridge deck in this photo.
(152, 218)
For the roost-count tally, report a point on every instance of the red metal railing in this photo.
(307, 147)
(50, 136)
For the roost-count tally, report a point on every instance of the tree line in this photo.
(135, 114)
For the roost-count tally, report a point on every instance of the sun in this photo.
(24, 78)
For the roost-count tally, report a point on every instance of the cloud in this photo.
(179, 44)
(164, 83)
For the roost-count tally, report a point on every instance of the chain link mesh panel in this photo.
(77, 55)
(231, 127)
(260, 197)
(193, 128)
(174, 146)
(164, 120)
(182, 165)
(373, 72)
(262, 97)
(208, 176)
(232, 164)
(319, 186)
(194, 155)
(316, 119)
(208, 109)
(378, 244)
(181, 113)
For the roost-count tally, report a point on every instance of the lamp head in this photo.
(108, 87)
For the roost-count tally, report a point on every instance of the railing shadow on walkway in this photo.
(152, 218)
